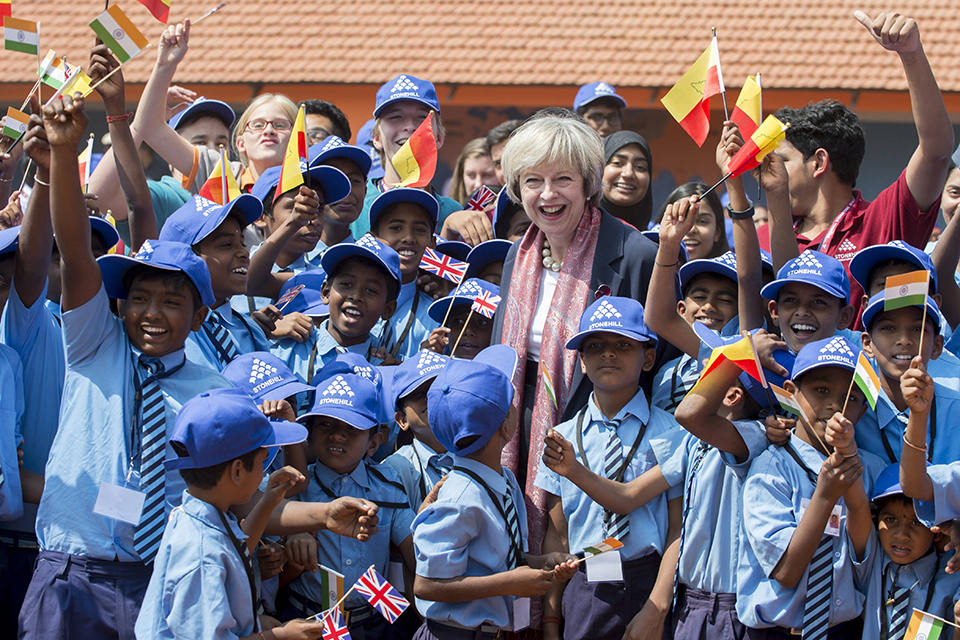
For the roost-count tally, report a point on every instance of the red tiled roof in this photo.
(808, 44)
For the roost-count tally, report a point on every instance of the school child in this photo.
(423, 462)
(486, 260)
(404, 219)
(344, 430)
(510, 220)
(790, 556)
(473, 577)
(17, 487)
(203, 583)
(360, 289)
(478, 331)
(903, 569)
(216, 234)
(613, 433)
(431, 283)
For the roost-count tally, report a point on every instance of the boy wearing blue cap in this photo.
(469, 330)
(343, 425)
(485, 261)
(474, 579)
(601, 106)
(613, 433)
(203, 582)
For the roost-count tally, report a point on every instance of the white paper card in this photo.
(605, 567)
(395, 575)
(833, 524)
(521, 613)
(119, 503)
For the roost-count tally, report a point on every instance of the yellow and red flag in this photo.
(6, 8)
(416, 160)
(746, 113)
(764, 140)
(741, 353)
(221, 186)
(295, 159)
(159, 8)
(689, 100)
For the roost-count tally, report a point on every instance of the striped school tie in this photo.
(513, 528)
(901, 607)
(222, 340)
(617, 525)
(153, 429)
(816, 610)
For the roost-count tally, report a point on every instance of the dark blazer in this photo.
(624, 262)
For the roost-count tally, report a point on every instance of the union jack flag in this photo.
(381, 595)
(333, 626)
(442, 265)
(485, 304)
(484, 197)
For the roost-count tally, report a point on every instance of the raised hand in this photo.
(352, 517)
(64, 121)
(893, 31)
(917, 386)
(102, 63)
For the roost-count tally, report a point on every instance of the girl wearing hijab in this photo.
(626, 178)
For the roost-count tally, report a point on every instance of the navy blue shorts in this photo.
(76, 597)
(699, 615)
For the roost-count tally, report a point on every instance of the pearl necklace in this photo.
(548, 261)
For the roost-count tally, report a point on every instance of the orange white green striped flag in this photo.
(787, 400)
(21, 35)
(610, 544)
(689, 100)
(121, 36)
(867, 379)
(83, 163)
(159, 8)
(548, 385)
(14, 123)
(907, 290)
(221, 186)
(925, 626)
(6, 8)
(746, 113)
(331, 588)
(295, 159)
(416, 161)
(53, 70)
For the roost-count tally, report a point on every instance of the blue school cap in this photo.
(413, 372)
(106, 231)
(812, 267)
(766, 260)
(404, 194)
(406, 87)
(365, 142)
(453, 248)
(219, 109)
(263, 376)
(334, 147)
(887, 483)
(875, 306)
(333, 183)
(8, 240)
(199, 217)
(835, 351)
(613, 314)
(355, 364)
(367, 247)
(504, 207)
(349, 398)
(467, 293)
(868, 258)
(653, 233)
(485, 253)
(724, 265)
(167, 256)
(594, 91)
(472, 398)
(223, 424)
(308, 301)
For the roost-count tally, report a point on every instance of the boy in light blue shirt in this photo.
(474, 579)
(465, 328)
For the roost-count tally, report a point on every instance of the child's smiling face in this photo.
(806, 313)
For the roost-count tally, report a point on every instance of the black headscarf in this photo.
(639, 214)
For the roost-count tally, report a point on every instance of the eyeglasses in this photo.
(317, 135)
(278, 125)
(598, 118)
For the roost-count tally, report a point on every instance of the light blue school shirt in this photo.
(423, 324)
(11, 413)
(249, 304)
(946, 495)
(875, 578)
(648, 524)
(881, 424)
(346, 555)
(419, 468)
(945, 370)
(676, 375)
(93, 442)
(463, 534)
(313, 257)
(199, 587)
(711, 504)
(772, 495)
(320, 348)
(34, 333)
(361, 225)
(245, 331)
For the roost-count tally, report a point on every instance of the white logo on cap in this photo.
(470, 289)
(303, 165)
(429, 358)
(807, 260)
(339, 387)
(604, 312)
(728, 259)
(332, 143)
(838, 346)
(366, 372)
(603, 87)
(367, 241)
(204, 206)
(146, 249)
(260, 370)
(403, 84)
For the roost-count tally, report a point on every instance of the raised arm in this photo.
(945, 257)
(783, 238)
(697, 413)
(917, 387)
(36, 234)
(261, 281)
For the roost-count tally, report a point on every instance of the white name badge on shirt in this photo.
(605, 567)
(119, 503)
(521, 613)
(833, 524)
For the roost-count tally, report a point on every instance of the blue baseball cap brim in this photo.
(332, 182)
(465, 296)
(876, 303)
(198, 218)
(344, 250)
(353, 418)
(869, 257)
(454, 248)
(887, 483)
(588, 93)
(283, 433)
(106, 230)
(319, 154)
(771, 290)
(113, 268)
(485, 253)
(639, 336)
(404, 194)
(309, 301)
(202, 105)
(504, 206)
(705, 265)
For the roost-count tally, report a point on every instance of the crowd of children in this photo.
(304, 439)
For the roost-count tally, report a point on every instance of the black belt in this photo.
(450, 632)
(307, 608)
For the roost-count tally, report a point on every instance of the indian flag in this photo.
(866, 378)
(21, 35)
(15, 123)
(83, 163)
(119, 34)
(923, 626)
(602, 547)
(331, 586)
(53, 70)
(548, 385)
(907, 290)
(787, 400)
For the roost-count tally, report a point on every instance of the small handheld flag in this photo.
(548, 385)
(121, 36)
(286, 298)
(741, 353)
(331, 583)
(6, 8)
(21, 35)
(483, 198)
(746, 113)
(83, 163)
(53, 70)
(765, 139)
(381, 595)
(485, 304)
(213, 188)
(416, 161)
(689, 100)
(443, 265)
(15, 123)
(159, 8)
(867, 379)
(925, 626)
(907, 290)
(610, 544)
(787, 400)
(295, 159)
(334, 628)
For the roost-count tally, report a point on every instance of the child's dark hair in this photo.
(197, 116)
(208, 477)
(341, 126)
(751, 408)
(877, 505)
(828, 125)
(175, 279)
(375, 228)
(706, 275)
(393, 287)
(463, 443)
(502, 132)
(894, 262)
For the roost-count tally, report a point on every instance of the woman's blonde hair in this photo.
(476, 148)
(281, 100)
